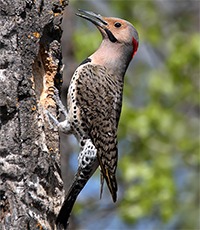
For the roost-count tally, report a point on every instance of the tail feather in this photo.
(102, 183)
(65, 212)
(80, 180)
(110, 181)
(62, 220)
(112, 184)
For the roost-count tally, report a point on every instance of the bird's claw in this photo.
(51, 119)
(56, 98)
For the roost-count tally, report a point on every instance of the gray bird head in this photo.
(115, 29)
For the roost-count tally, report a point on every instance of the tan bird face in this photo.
(115, 29)
(122, 31)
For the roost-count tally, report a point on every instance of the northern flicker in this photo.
(94, 105)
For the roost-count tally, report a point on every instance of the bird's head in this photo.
(116, 30)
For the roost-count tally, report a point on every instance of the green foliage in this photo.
(84, 47)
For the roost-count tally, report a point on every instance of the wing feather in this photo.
(99, 98)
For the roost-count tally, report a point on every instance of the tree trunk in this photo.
(31, 188)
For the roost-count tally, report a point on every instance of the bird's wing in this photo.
(99, 98)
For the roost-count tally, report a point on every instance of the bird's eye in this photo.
(117, 24)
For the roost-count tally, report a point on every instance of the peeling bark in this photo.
(31, 188)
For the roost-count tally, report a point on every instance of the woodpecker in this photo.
(94, 105)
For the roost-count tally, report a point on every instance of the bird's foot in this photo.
(58, 101)
(63, 126)
(51, 119)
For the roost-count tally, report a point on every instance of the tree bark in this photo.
(31, 188)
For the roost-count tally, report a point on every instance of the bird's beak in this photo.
(97, 19)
